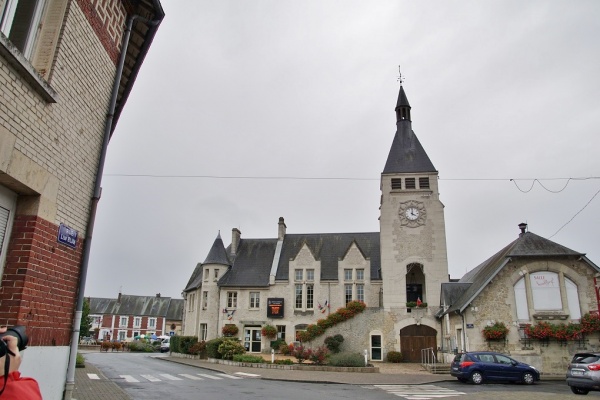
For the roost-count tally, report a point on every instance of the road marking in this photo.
(171, 377)
(129, 378)
(93, 376)
(419, 392)
(246, 374)
(150, 378)
(230, 376)
(209, 376)
(194, 377)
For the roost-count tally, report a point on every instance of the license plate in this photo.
(454, 368)
(577, 373)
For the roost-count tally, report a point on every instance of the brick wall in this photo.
(39, 285)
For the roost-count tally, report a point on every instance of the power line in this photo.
(514, 180)
(577, 213)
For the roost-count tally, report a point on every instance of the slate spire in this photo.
(406, 154)
(217, 253)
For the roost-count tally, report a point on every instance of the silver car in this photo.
(583, 373)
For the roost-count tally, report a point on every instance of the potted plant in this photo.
(269, 331)
(495, 332)
(229, 330)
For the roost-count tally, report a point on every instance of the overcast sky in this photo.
(502, 93)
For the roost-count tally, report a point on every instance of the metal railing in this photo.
(428, 359)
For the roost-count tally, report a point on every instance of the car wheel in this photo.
(476, 377)
(528, 378)
(577, 390)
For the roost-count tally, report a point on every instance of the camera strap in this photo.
(6, 363)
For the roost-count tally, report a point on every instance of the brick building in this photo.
(128, 316)
(66, 70)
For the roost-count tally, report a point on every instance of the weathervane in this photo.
(400, 79)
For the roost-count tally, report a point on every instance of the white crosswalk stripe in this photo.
(150, 378)
(158, 377)
(419, 392)
(129, 378)
(248, 375)
(210, 376)
(230, 376)
(171, 377)
(192, 377)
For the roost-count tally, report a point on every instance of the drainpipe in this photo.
(94, 205)
(464, 333)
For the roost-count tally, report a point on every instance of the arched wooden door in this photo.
(414, 338)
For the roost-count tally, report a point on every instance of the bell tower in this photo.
(414, 262)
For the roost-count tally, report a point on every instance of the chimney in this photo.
(119, 298)
(235, 240)
(281, 230)
(158, 295)
(522, 227)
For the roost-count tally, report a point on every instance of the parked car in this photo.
(583, 373)
(481, 366)
(165, 345)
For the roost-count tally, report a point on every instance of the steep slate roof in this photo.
(527, 245)
(131, 305)
(451, 292)
(406, 154)
(217, 253)
(329, 248)
(175, 310)
(252, 264)
(195, 280)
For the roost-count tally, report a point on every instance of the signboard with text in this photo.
(275, 308)
(67, 236)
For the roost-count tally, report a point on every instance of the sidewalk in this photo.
(90, 389)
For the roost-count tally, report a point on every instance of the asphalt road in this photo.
(144, 377)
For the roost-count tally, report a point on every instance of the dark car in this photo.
(583, 373)
(480, 366)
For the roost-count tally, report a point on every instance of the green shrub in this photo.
(276, 344)
(182, 344)
(140, 347)
(230, 348)
(333, 343)
(287, 361)
(248, 358)
(212, 348)
(347, 360)
(80, 361)
(394, 356)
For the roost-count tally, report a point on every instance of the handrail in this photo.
(428, 359)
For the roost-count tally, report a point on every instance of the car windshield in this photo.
(585, 358)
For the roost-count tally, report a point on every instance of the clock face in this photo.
(412, 213)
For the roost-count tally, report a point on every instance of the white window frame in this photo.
(32, 32)
(151, 323)
(255, 300)
(203, 332)
(123, 321)
(204, 299)
(121, 335)
(232, 299)
(137, 322)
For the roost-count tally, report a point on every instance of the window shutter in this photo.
(4, 214)
(47, 43)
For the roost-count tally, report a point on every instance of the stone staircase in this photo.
(438, 368)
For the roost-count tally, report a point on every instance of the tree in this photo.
(86, 321)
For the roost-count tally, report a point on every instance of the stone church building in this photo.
(307, 276)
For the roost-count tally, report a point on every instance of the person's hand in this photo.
(13, 345)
